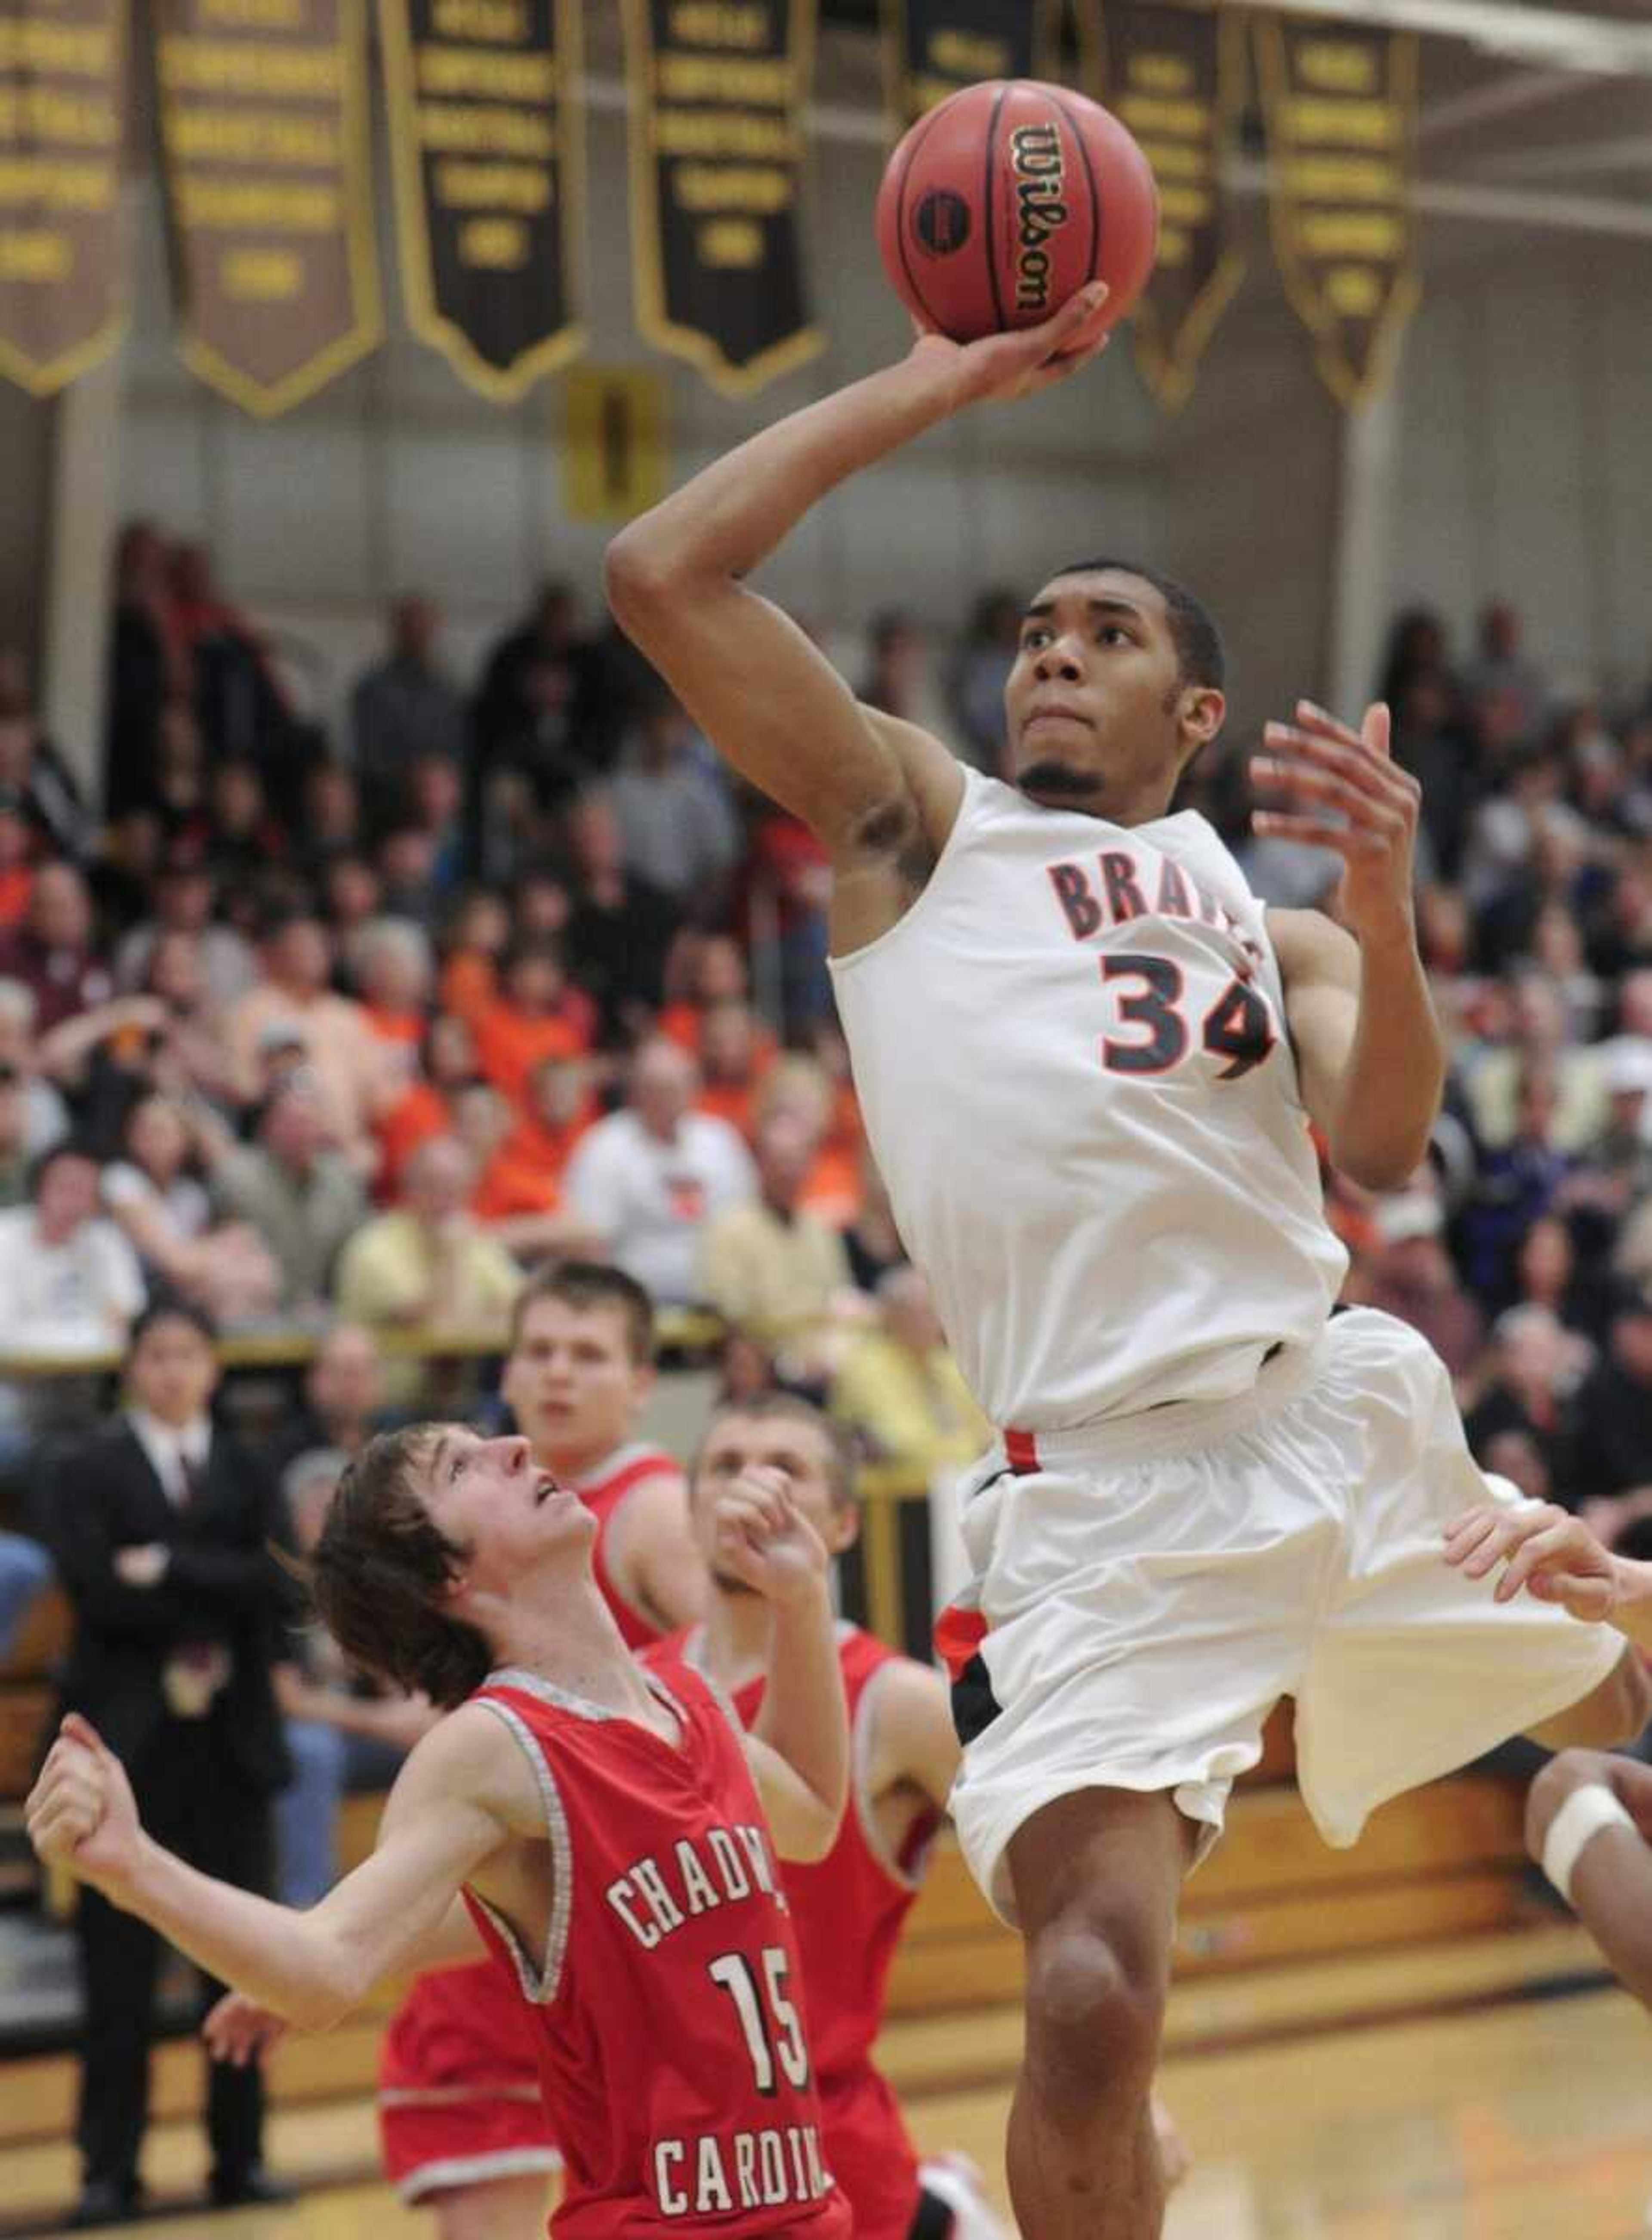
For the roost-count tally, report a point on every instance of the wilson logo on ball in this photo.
(941, 222)
(1036, 154)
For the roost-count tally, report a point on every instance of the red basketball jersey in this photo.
(603, 1492)
(848, 1909)
(463, 2031)
(665, 2010)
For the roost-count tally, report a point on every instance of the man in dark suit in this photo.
(162, 1526)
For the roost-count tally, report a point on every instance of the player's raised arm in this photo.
(798, 1747)
(1548, 1553)
(1368, 1044)
(772, 703)
(462, 1794)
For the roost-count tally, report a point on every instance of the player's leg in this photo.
(494, 2209)
(1615, 1711)
(1096, 1877)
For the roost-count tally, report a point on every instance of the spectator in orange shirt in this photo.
(518, 1202)
(526, 1171)
(389, 961)
(736, 1053)
(477, 935)
(535, 1015)
(802, 1086)
(706, 969)
(425, 1107)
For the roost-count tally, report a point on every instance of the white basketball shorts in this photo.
(1145, 1592)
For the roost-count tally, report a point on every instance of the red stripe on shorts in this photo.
(958, 1634)
(1021, 1452)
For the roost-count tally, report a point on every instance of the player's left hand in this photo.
(764, 1539)
(81, 1811)
(1341, 789)
(239, 2032)
(1544, 1549)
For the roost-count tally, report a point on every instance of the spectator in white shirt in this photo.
(648, 1178)
(70, 1286)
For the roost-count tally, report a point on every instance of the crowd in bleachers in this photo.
(311, 1031)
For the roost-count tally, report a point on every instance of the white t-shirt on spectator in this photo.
(651, 1201)
(184, 1201)
(65, 1299)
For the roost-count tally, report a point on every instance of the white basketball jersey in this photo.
(1071, 1057)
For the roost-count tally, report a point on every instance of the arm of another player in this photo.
(465, 1791)
(1368, 1044)
(1611, 1879)
(1555, 1558)
(749, 678)
(652, 1556)
(798, 1747)
(914, 1743)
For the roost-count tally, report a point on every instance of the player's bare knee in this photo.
(1094, 2015)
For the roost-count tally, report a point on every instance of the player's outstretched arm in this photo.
(238, 2030)
(461, 1796)
(1371, 1056)
(798, 1747)
(1553, 1556)
(1602, 1859)
(769, 700)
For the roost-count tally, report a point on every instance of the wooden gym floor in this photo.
(1516, 2119)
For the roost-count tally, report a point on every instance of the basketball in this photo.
(1005, 199)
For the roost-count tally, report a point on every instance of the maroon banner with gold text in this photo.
(485, 128)
(63, 112)
(1340, 100)
(717, 89)
(1173, 73)
(931, 47)
(266, 171)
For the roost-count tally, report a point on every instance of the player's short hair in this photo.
(583, 1285)
(1201, 656)
(378, 1571)
(765, 1407)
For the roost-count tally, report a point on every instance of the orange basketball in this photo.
(1005, 199)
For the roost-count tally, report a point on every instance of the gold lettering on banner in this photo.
(931, 47)
(486, 125)
(268, 185)
(1340, 102)
(62, 105)
(1173, 73)
(716, 156)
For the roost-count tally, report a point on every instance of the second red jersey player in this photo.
(848, 1908)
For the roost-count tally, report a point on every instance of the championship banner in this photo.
(485, 134)
(1174, 74)
(931, 47)
(62, 110)
(265, 166)
(717, 89)
(1340, 102)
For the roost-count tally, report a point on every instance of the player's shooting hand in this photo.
(1000, 367)
(1340, 789)
(1544, 1549)
(239, 2031)
(766, 1541)
(81, 1812)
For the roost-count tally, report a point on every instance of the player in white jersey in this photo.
(1088, 1058)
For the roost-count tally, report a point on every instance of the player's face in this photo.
(491, 1497)
(571, 1382)
(787, 1443)
(1097, 715)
